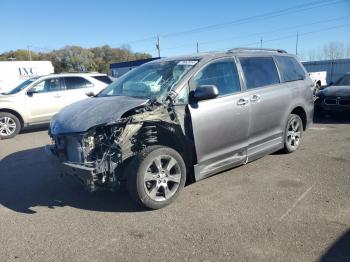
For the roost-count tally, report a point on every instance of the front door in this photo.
(220, 125)
(44, 100)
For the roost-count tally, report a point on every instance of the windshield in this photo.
(150, 81)
(22, 86)
(343, 81)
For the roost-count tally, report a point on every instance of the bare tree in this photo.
(347, 51)
(330, 51)
(334, 50)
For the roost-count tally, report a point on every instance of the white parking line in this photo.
(302, 196)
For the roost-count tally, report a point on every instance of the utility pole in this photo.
(29, 54)
(261, 40)
(197, 47)
(158, 46)
(296, 44)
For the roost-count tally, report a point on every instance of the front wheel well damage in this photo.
(170, 135)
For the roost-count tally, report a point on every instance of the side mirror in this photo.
(204, 92)
(90, 94)
(31, 92)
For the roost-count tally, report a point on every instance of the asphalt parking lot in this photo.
(279, 208)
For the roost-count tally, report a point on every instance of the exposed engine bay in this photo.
(105, 149)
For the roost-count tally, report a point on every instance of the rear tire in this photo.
(293, 133)
(10, 125)
(156, 176)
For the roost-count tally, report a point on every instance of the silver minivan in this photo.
(183, 119)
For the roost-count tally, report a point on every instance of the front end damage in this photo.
(98, 157)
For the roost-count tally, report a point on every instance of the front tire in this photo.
(293, 133)
(10, 125)
(156, 176)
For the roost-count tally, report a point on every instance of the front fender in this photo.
(10, 106)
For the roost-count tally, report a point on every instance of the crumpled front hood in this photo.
(81, 116)
(341, 91)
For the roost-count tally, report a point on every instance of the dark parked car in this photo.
(335, 97)
(183, 118)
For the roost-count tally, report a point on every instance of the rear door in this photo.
(220, 125)
(268, 100)
(76, 87)
(46, 100)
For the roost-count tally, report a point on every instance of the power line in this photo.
(290, 10)
(286, 11)
(255, 34)
(276, 30)
(277, 13)
(147, 39)
(292, 36)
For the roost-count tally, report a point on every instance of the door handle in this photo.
(57, 96)
(255, 99)
(242, 102)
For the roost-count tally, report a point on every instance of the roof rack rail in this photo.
(256, 49)
(78, 72)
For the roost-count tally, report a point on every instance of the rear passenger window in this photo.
(259, 71)
(76, 82)
(223, 74)
(290, 69)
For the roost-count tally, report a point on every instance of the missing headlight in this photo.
(89, 143)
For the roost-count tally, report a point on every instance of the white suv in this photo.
(37, 99)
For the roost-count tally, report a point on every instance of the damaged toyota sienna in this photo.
(183, 119)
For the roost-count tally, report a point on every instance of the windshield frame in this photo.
(22, 86)
(165, 93)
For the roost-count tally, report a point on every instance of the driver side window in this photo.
(48, 85)
(223, 74)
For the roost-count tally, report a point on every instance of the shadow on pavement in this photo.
(28, 181)
(36, 128)
(339, 251)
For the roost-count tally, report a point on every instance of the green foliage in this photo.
(77, 59)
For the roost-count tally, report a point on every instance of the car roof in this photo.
(235, 51)
(78, 74)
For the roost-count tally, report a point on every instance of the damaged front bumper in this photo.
(85, 175)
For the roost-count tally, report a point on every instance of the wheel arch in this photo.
(170, 135)
(300, 111)
(15, 113)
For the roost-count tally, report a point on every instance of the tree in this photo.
(76, 58)
(330, 51)
(334, 50)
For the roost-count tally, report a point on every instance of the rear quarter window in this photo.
(259, 71)
(74, 82)
(290, 69)
(104, 79)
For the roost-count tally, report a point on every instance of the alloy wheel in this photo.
(7, 126)
(294, 133)
(162, 178)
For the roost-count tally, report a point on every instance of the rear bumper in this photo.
(85, 175)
